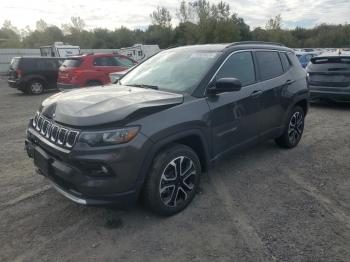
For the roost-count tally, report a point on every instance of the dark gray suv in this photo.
(166, 121)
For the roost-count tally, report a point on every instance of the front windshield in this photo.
(174, 70)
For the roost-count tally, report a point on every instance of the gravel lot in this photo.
(264, 204)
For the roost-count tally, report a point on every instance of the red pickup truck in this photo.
(91, 70)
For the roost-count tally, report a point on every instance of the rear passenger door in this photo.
(274, 81)
(103, 67)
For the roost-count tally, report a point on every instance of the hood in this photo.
(106, 104)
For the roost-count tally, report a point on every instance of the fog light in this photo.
(104, 169)
(100, 171)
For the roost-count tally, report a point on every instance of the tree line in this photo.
(200, 22)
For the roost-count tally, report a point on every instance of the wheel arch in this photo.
(194, 139)
(30, 78)
(304, 104)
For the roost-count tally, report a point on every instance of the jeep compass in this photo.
(153, 134)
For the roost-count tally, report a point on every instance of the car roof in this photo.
(97, 55)
(336, 54)
(89, 54)
(307, 53)
(206, 47)
(237, 46)
(38, 57)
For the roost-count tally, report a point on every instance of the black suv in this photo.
(329, 77)
(33, 75)
(166, 121)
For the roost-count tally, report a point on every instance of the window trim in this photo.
(228, 57)
(108, 57)
(254, 66)
(279, 58)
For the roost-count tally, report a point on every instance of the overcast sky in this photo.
(135, 13)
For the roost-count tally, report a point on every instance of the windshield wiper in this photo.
(144, 86)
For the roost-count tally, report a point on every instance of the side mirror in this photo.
(225, 85)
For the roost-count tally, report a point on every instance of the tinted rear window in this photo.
(34, 64)
(28, 64)
(332, 64)
(269, 64)
(105, 61)
(293, 59)
(285, 61)
(72, 63)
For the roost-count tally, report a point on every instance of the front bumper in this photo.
(124, 199)
(15, 83)
(70, 172)
(333, 93)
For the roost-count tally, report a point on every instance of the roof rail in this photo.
(255, 42)
(172, 46)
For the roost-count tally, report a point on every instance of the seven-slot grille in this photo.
(62, 136)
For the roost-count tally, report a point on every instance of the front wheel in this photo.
(173, 180)
(35, 87)
(294, 129)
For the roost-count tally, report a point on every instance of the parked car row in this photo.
(305, 57)
(34, 75)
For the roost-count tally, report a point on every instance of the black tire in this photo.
(25, 91)
(93, 83)
(35, 87)
(165, 192)
(294, 129)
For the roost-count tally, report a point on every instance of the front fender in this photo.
(168, 140)
(31, 77)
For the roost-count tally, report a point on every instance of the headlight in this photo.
(112, 137)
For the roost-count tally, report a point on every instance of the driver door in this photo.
(234, 115)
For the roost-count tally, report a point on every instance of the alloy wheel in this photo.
(296, 126)
(177, 181)
(36, 87)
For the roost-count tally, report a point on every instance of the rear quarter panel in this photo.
(297, 91)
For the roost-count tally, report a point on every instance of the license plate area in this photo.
(42, 160)
(330, 78)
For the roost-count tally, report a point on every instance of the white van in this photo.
(59, 49)
(139, 52)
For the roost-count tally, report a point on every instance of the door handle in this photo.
(289, 82)
(256, 93)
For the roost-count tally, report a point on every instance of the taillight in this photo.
(19, 73)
